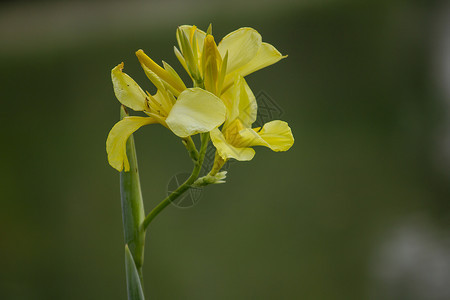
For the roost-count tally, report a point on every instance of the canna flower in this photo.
(220, 106)
(185, 111)
(239, 53)
(237, 136)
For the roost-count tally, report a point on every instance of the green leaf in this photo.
(134, 287)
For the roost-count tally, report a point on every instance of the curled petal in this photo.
(116, 144)
(127, 91)
(242, 46)
(275, 135)
(195, 111)
(227, 151)
(267, 55)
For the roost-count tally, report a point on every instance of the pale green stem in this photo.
(132, 206)
(190, 146)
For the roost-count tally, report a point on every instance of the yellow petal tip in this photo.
(119, 67)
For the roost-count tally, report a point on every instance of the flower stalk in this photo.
(132, 206)
(134, 221)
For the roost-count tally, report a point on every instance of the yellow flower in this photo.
(184, 111)
(237, 137)
(240, 53)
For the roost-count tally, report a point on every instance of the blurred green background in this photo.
(357, 209)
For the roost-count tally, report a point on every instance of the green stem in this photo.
(182, 188)
(132, 206)
(190, 146)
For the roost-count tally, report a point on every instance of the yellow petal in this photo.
(163, 96)
(275, 134)
(195, 111)
(166, 101)
(211, 61)
(127, 91)
(191, 40)
(222, 73)
(242, 46)
(227, 151)
(241, 103)
(116, 144)
(199, 36)
(190, 55)
(174, 74)
(247, 104)
(266, 56)
(171, 79)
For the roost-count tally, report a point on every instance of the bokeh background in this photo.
(357, 209)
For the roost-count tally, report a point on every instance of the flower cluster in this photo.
(220, 102)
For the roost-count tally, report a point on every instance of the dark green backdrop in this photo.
(325, 220)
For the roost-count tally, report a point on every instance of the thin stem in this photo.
(182, 188)
(190, 146)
